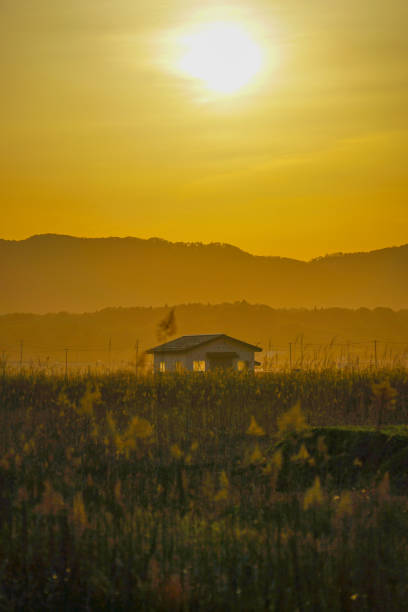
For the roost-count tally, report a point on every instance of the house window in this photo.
(162, 366)
(199, 366)
(179, 366)
(242, 366)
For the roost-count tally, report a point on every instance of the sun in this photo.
(222, 55)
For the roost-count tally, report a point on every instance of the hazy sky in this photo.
(102, 134)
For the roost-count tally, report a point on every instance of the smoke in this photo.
(167, 326)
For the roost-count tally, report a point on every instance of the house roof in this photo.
(187, 343)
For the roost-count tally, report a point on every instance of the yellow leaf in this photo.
(302, 455)
(314, 495)
(110, 421)
(139, 428)
(277, 459)
(345, 506)
(222, 495)
(79, 514)
(254, 429)
(224, 480)
(384, 394)
(267, 469)
(87, 402)
(176, 451)
(293, 421)
(256, 455)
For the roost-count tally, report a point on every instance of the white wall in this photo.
(170, 360)
(199, 354)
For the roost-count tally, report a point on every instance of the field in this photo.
(282, 491)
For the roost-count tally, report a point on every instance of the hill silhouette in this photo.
(48, 273)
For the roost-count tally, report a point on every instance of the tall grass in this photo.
(162, 493)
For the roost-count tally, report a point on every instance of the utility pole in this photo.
(269, 361)
(21, 354)
(375, 353)
(136, 355)
(110, 353)
(290, 355)
(66, 363)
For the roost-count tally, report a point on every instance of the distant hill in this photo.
(89, 336)
(49, 273)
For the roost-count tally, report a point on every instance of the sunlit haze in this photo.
(280, 127)
(222, 55)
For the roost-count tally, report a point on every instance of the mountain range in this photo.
(52, 273)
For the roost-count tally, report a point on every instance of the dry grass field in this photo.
(283, 491)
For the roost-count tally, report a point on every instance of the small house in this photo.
(204, 352)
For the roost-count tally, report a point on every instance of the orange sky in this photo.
(101, 135)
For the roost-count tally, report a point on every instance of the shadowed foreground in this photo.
(202, 493)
